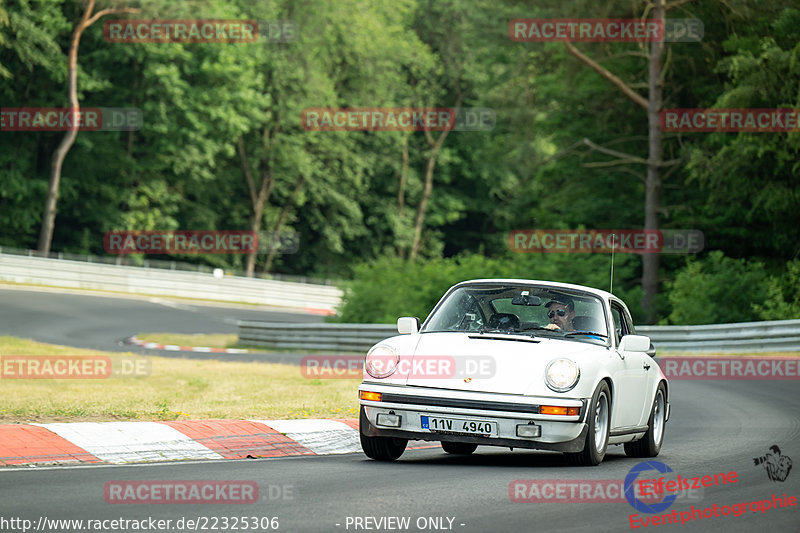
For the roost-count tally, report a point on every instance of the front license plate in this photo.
(458, 425)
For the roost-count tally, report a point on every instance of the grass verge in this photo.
(175, 389)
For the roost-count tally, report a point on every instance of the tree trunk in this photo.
(423, 203)
(273, 248)
(655, 158)
(401, 186)
(258, 198)
(654, 162)
(401, 194)
(255, 226)
(49, 216)
(57, 161)
(428, 189)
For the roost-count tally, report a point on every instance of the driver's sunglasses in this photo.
(561, 312)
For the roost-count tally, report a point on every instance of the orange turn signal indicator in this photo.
(368, 395)
(554, 410)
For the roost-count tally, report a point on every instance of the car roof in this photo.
(597, 292)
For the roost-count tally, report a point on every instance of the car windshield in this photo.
(518, 309)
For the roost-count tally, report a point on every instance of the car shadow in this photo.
(503, 457)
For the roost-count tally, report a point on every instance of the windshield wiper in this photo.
(585, 333)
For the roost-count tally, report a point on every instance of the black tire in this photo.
(459, 448)
(650, 444)
(599, 418)
(383, 448)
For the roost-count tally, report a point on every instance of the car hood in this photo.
(509, 364)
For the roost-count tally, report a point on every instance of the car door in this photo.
(631, 378)
(652, 375)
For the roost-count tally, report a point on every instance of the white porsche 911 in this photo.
(518, 364)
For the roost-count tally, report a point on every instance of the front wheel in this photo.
(594, 449)
(459, 448)
(650, 444)
(383, 448)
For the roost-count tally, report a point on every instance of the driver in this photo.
(561, 314)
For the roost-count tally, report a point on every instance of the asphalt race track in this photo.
(715, 427)
(99, 321)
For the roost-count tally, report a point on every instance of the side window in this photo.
(615, 316)
(629, 323)
(622, 325)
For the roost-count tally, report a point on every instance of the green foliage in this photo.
(783, 295)
(718, 290)
(388, 288)
(340, 191)
(753, 179)
(28, 33)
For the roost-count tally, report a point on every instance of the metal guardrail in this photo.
(139, 280)
(772, 336)
(334, 337)
(767, 336)
(163, 264)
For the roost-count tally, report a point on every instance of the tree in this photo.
(654, 161)
(49, 217)
(752, 180)
(32, 69)
(452, 83)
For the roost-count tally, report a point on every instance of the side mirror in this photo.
(407, 325)
(634, 343)
(651, 351)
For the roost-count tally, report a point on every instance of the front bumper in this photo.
(558, 433)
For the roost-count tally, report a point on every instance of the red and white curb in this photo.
(132, 442)
(176, 348)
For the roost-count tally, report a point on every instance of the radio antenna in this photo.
(613, 245)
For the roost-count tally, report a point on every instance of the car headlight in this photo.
(561, 374)
(381, 361)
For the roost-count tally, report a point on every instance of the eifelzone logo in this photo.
(637, 503)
